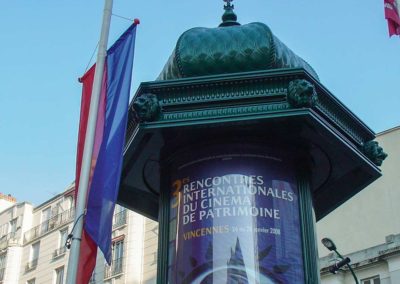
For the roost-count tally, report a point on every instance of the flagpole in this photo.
(88, 146)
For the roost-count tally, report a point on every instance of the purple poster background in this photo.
(235, 219)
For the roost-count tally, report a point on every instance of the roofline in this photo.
(388, 130)
(366, 256)
(66, 191)
(22, 203)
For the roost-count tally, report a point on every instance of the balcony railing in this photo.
(51, 224)
(60, 251)
(31, 264)
(117, 267)
(7, 239)
(119, 219)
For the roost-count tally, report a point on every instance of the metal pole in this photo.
(88, 146)
(348, 266)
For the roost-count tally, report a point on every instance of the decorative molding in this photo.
(191, 98)
(338, 117)
(225, 111)
(221, 93)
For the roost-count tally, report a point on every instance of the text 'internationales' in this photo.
(230, 196)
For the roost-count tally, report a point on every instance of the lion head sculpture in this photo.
(374, 152)
(146, 107)
(301, 93)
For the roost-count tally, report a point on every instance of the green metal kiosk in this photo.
(237, 149)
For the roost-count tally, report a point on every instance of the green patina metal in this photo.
(235, 75)
(229, 48)
(307, 219)
(229, 18)
(301, 93)
(240, 83)
(247, 105)
(146, 107)
(373, 151)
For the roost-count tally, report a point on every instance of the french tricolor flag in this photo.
(107, 150)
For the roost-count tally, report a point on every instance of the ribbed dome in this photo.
(229, 48)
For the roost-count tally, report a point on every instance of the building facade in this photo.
(367, 227)
(32, 244)
(15, 219)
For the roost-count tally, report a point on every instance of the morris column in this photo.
(237, 149)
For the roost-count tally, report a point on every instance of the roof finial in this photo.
(228, 4)
(229, 17)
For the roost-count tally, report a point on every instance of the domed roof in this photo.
(229, 48)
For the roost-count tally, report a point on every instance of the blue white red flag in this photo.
(107, 151)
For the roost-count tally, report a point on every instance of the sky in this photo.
(47, 45)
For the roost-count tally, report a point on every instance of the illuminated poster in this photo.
(234, 219)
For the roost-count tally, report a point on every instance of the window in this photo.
(56, 209)
(3, 230)
(117, 259)
(61, 249)
(371, 280)
(3, 261)
(119, 216)
(68, 202)
(118, 209)
(118, 249)
(31, 281)
(46, 214)
(60, 275)
(13, 226)
(34, 251)
(63, 238)
(34, 256)
(118, 253)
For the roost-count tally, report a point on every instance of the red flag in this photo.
(392, 16)
(88, 248)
